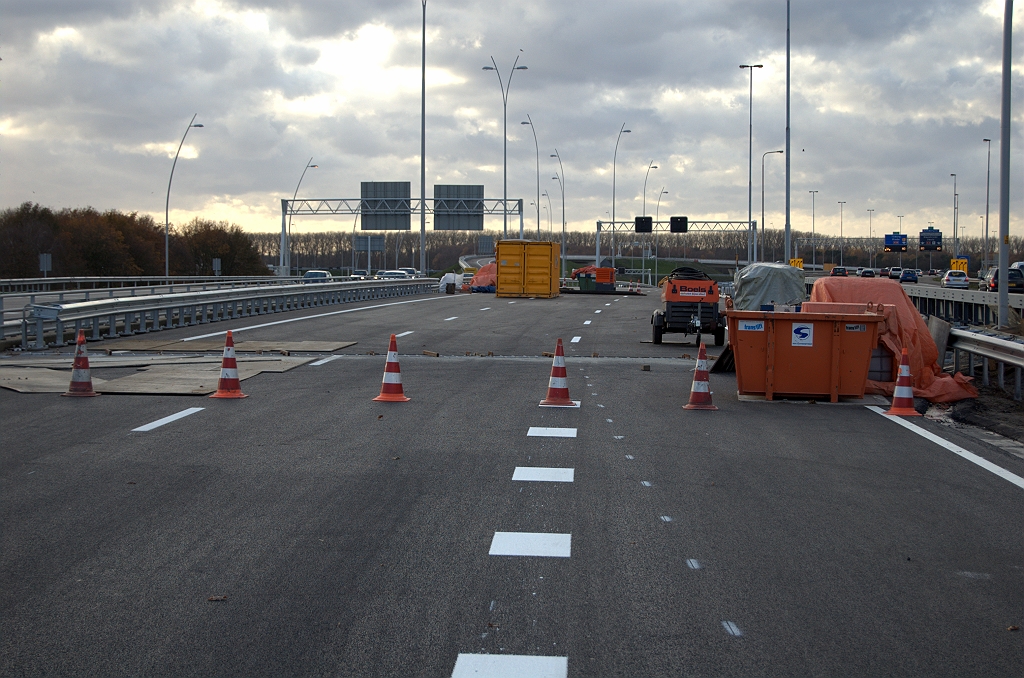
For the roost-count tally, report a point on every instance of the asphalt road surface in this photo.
(308, 530)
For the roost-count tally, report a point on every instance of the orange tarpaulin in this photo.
(485, 277)
(903, 326)
(585, 269)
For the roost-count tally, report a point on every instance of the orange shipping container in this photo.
(527, 268)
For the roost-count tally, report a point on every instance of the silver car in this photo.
(954, 280)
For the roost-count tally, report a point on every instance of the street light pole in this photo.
(788, 154)
(871, 247)
(1004, 167)
(956, 243)
(505, 86)
(545, 194)
(988, 178)
(762, 200)
(622, 130)
(900, 217)
(657, 217)
(309, 164)
(813, 244)
(561, 185)
(167, 205)
(649, 168)
(423, 149)
(537, 149)
(841, 203)
(750, 158)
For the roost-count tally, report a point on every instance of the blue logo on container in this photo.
(801, 332)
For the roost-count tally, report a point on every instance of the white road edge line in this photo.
(510, 666)
(404, 334)
(324, 361)
(311, 317)
(955, 449)
(167, 420)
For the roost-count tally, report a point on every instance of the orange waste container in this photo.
(802, 354)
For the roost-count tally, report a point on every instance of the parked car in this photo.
(908, 275)
(839, 271)
(884, 273)
(867, 273)
(954, 280)
(1014, 280)
(895, 272)
(316, 277)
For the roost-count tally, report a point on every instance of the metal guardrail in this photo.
(987, 348)
(42, 285)
(134, 315)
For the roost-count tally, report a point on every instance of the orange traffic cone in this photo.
(903, 396)
(391, 388)
(229, 386)
(558, 384)
(81, 379)
(700, 392)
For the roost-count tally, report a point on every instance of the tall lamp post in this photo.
(988, 178)
(505, 85)
(167, 205)
(750, 158)
(841, 203)
(537, 148)
(423, 149)
(622, 130)
(649, 168)
(871, 247)
(309, 165)
(813, 244)
(956, 243)
(561, 184)
(900, 217)
(762, 200)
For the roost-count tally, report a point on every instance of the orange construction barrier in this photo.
(81, 378)
(558, 383)
(391, 388)
(903, 396)
(229, 386)
(700, 392)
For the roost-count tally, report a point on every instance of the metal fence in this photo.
(46, 325)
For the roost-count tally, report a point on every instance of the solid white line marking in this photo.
(404, 334)
(311, 317)
(454, 317)
(324, 361)
(693, 564)
(645, 483)
(597, 311)
(510, 666)
(586, 322)
(546, 432)
(575, 340)
(732, 629)
(666, 519)
(167, 420)
(488, 308)
(540, 544)
(544, 474)
(955, 449)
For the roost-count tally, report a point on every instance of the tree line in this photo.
(87, 242)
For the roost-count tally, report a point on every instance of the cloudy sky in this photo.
(889, 98)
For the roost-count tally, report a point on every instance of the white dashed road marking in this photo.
(542, 474)
(607, 304)
(597, 311)
(404, 334)
(731, 628)
(575, 340)
(510, 666)
(486, 308)
(693, 564)
(586, 322)
(546, 432)
(666, 519)
(454, 317)
(645, 483)
(324, 361)
(540, 544)
(167, 420)
(955, 449)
